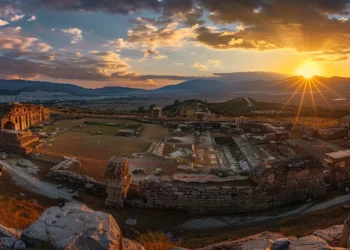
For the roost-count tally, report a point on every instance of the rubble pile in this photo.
(83, 181)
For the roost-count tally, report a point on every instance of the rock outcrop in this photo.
(273, 241)
(345, 241)
(118, 180)
(76, 226)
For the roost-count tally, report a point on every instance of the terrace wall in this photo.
(267, 192)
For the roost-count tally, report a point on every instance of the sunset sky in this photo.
(151, 43)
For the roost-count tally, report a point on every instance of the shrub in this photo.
(155, 241)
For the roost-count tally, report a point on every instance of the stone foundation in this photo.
(14, 141)
(297, 183)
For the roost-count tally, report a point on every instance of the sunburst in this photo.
(309, 87)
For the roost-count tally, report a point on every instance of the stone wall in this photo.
(17, 116)
(340, 176)
(83, 181)
(17, 141)
(267, 192)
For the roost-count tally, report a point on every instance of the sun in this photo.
(308, 70)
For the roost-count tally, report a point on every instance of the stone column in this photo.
(344, 240)
(118, 180)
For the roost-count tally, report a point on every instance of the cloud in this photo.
(200, 67)
(329, 58)
(214, 62)
(148, 37)
(76, 33)
(16, 18)
(31, 19)
(151, 82)
(160, 57)
(154, 53)
(11, 39)
(3, 23)
(305, 26)
(43, 47)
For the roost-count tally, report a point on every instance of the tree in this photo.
(176, 102)
(152, 106)
(141, 109)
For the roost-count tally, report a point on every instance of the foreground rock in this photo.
(75, 226)
(309, 243)
(331, 235)
(273, 241)
(258, 241)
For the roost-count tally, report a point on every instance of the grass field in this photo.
(94, 151)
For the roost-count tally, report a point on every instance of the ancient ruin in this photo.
(18, 116)
(117, 179)
(17, 141)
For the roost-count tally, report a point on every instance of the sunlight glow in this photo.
(307, 86)
(309, 70)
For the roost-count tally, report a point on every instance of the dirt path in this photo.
(31, 182)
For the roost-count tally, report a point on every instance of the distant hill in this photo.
(24, 85)
(13, 87)
(233, 84)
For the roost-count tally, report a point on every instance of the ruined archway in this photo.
(9, 125)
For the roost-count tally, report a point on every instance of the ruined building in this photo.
(15, 118)
(118, 180)
(156, 113)
(18, 116)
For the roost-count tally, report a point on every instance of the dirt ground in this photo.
(94, 151)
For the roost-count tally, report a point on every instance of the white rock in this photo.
(74, 226)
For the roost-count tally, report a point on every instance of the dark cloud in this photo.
(108, 6)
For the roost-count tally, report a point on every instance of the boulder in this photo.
(331, 235)
(74, 226)
(19, 245)
(7, 242)
(261, 239)
(131, 245)
(259, 243)
(280, 244)
(309, 243)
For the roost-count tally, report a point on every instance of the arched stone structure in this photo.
(9, 125)
(22, 116)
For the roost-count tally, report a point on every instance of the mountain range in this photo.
(251, 82)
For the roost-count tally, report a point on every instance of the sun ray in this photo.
(326, 87)
(320, 93)
(293, 84)
(290, 98)
(301, 102)
(312, 97)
